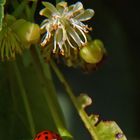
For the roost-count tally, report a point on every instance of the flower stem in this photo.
(25, 99)
(49, 93)
(34, 6)
(91, 128)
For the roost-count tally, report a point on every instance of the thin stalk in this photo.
(34, 8)
(80, 110)
(28, 13)
(25, 99)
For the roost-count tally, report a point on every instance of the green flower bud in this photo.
(28, 32)
(93, 52)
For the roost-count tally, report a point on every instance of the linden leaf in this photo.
(109, 130)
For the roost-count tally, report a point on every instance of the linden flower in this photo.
(64, 26)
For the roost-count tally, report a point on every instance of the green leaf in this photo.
(109, 130)
(2, 2)
(99, 130)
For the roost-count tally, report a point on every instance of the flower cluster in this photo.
(9, 40)
(16, 35)
(63, 29)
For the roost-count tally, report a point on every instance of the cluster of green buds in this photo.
(66, 36)
(16, 35)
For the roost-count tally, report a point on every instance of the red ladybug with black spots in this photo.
(47, 135)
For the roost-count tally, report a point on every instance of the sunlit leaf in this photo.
(109, 130)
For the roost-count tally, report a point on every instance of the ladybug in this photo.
(47, 135)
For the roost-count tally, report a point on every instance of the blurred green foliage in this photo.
(114, 89)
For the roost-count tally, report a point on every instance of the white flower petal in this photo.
(59, 34)
(61, 6)
(74, 36)
(70, 43)
(45, 21)
(84, 36)
(85, 15)
(49, 10)
(76, 7)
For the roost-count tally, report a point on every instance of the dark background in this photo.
(114, 87)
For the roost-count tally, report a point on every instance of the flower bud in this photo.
(28, 32)
(93, 52)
